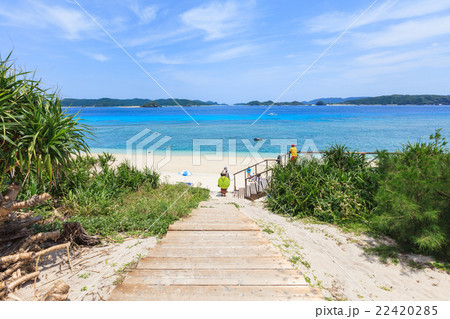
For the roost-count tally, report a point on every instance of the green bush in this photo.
(338, 188)
(413, 200)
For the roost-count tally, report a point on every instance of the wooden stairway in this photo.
(254, 189)
(214, 254)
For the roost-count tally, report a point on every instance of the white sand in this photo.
(95, 269)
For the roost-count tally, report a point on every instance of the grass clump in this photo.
(118, 201)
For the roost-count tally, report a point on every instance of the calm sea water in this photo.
(365, 128)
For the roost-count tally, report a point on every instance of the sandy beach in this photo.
(205, 169)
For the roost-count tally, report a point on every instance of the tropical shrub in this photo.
(338, 188)
(38, 138)
(413, 199)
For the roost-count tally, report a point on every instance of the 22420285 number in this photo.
(407, 311)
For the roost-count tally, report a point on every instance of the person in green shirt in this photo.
(223, 183)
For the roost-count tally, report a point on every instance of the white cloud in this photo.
(72, 22)
(97, 56)
(157, 57)
(389, 10)
(231, 53)
(146, 14)
(406, 33)
(217, 19)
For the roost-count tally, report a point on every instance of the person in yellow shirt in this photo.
(293, 153)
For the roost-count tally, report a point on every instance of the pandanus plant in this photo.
(37, 135)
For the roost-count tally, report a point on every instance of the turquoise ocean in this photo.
(363, 128)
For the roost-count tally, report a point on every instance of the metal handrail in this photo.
(256, 170)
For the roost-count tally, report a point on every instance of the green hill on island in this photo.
(396, 99)
(270, 103)
(402, 100)
(133, 102)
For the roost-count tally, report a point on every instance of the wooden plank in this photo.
(227, 277)
(253, 189)
(212, 233)
(248, 193)
(140, 292)
(216, 239)
(212, 227)
(214, 263)
(249, 252)
(206, 220)
(215, 243)
(264, 183)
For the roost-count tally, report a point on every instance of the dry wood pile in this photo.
(21, 249)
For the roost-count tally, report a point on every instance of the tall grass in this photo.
(112, 201)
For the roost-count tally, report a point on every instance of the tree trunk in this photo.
(74, 232)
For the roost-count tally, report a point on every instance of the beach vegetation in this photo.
(38, 138)
(405, 195)
(116, 200)
(413, 199)
(334, 189)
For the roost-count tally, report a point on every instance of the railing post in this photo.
(234, 176)
(245, 187)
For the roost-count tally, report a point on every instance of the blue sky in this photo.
(231, 51)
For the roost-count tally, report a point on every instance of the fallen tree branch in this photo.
(13, 227)
(31, 255)
(21, 234)
(54, 235)
(11, 193)
(4, 287)
(33, 201)
(10, 270)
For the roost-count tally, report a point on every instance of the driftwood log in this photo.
(8, 201)
(6, 287)
(31, 255)
(59, 292)
(21, 249)
(74, 232)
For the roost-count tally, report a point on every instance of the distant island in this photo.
(402, 100)
(271, 103)
(133, 102)
(395, 99)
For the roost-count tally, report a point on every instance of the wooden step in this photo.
(142, 292)
(250, 252)
(228, 277)
(214, 243)
(212, 233)
(214, 263)
(212, 227)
